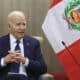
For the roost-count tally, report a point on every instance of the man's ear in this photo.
(9, 25)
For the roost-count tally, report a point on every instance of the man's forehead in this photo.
(18, 18)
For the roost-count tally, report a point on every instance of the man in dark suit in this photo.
(27, 57)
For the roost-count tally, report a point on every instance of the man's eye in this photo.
(18, 24)
(24, 24)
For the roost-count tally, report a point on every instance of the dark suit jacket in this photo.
(32, 50)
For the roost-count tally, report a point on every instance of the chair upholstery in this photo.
(46, 77)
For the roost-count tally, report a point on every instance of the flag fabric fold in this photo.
(61, 27)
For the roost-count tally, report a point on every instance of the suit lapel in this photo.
(5, 45)
(6, 42)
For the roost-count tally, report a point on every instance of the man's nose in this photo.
(22, 26)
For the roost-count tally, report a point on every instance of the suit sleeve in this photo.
(2, 54)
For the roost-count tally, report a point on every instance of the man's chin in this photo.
(20, 37)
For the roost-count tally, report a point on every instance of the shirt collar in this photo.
(13, 39)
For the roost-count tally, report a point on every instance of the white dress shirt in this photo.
(12, 47)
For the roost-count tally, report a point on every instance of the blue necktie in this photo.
(17, 47)
(15, 65)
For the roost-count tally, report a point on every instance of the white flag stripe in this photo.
(56, 28)
(49, 29)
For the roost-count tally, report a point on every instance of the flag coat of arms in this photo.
(62, 29)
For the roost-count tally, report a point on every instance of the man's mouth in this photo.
(21, 32)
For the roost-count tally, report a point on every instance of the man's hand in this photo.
(20, 58)
(14, 56)
(11, 57)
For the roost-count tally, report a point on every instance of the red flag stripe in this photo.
(54, 3)
(71, 60)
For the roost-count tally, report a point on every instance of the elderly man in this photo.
(20, 54)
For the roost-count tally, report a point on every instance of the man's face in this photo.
(17, 26)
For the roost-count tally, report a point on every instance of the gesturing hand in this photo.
(14, 56)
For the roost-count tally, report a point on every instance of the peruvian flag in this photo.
(64, 35)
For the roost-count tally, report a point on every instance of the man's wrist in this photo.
(26, 62)
(2, 62)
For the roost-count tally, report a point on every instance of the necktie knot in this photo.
(17, 47)
(17, 41)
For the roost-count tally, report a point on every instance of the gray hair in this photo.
(15, 13)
